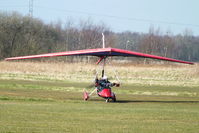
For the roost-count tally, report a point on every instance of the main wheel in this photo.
(114, 98)
(85, 96)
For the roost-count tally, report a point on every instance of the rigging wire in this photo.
(114, 70)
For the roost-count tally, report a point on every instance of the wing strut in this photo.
(102, 58)
(103, 68)
(103, 65)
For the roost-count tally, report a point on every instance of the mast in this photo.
(104, 59)
(103, 42)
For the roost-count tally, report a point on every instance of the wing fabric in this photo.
(94, 52)
(99, 52)
(137, 54)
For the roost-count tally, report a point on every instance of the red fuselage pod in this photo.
(106, 93)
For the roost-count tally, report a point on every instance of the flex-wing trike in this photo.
(103, 86)
(103, 54)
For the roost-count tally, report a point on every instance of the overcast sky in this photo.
(119, 15)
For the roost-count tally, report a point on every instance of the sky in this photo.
(171, 16)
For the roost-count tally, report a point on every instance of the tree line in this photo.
(23, 35)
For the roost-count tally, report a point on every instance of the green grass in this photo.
(94, 116)
(53, 106)
(47, 98)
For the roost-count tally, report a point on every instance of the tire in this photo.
(114, 98)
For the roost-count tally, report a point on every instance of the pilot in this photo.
(104, 83)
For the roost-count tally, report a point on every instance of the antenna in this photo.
(31, 8)
(103, 42)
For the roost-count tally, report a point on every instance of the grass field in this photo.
(47, 97)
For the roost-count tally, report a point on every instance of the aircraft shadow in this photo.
(153, 101)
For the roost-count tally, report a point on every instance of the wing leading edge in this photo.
(99, 52)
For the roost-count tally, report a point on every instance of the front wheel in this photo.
(107, 100)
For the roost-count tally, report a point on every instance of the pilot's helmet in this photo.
(105, 77)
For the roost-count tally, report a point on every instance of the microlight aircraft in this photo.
(103, 54)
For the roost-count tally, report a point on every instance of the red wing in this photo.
(87, 52)
(137, 54)
(99, 52)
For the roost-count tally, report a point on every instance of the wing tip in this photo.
(6, 59)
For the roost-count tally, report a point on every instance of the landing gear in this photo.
(114, 99)
(85, 96)
(107, 100)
